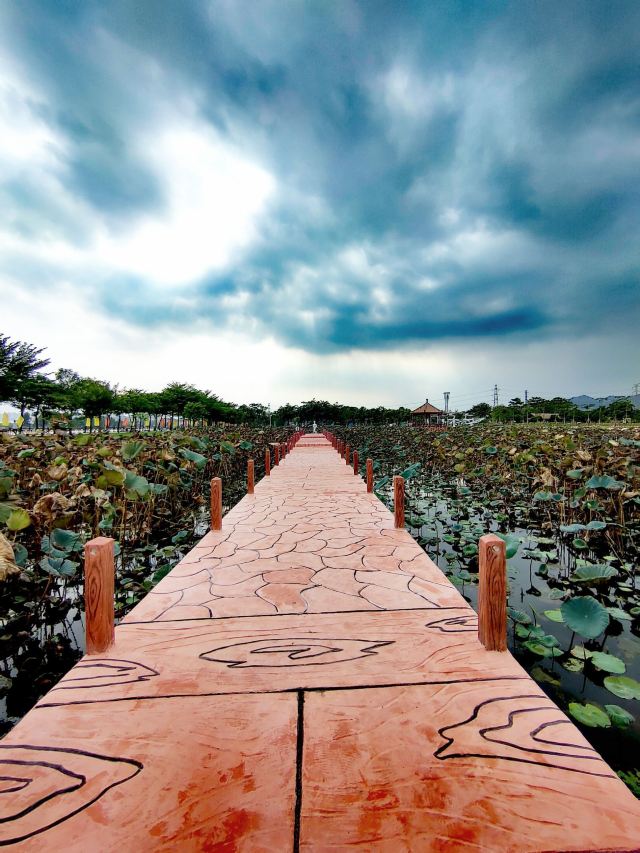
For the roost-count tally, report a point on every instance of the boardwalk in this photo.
(306, 678)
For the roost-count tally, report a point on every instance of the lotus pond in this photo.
(567, 504)
(150, 492)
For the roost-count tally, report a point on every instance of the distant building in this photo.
(546, 416)
(428, 415)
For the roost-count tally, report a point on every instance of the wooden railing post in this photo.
(398, 500)
(267, 462)
(347, 452)
(370, 475)
(216, 504)
(99, 574)
(355, 462)
(492, 593)
(250, 477)
(277, 450)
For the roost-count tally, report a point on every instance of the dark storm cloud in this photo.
(444, 170)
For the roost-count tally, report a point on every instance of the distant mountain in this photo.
(584, 401)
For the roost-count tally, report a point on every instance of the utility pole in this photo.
(495, 395)
(526, 403)
(446, 402)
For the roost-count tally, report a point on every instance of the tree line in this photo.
(556, 409)
(63, 396)
(58, 399)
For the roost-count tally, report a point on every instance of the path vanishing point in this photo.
(305, 679)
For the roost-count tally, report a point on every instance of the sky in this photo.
(371, 202)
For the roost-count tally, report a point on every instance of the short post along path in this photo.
(306, 679)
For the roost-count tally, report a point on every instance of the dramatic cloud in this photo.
(435, 187)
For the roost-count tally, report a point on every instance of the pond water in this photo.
(449, 527)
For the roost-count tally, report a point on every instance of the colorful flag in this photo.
(96, 422)
(87, 422)
(19, 421)
(5, 419)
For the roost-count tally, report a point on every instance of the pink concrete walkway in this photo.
(306, 678)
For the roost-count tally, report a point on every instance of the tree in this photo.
(93, 397)
(36, 392)
(620, 409)
(480, 410)
(196, 411)
(18, 363)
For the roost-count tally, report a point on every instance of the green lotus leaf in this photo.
(83, 439)
(593, 574)
(411, 471)
(512, 543)
(554, 615)
(619, 614)
(197, 458)
(573, 664)
(605, 482)
(18, 520)
(589, 715)
(541, 650)
(519, 616)
(620, 717)
(65, 540)
(585, 616)
(20, 554)
(59, 567)
(580, 652)
(623, 686)
(608, 663)
(132, 449)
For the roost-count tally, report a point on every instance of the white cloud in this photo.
(213, 193)
(213, 198)
(26, 141)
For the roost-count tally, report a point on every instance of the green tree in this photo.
(93, 397)
(480, 410)
(620, 409)
(18, 363)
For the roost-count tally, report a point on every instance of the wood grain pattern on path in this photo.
(305, 679)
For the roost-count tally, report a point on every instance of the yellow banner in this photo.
(87, 422)
(5, 419)
(96, 422)
(19, 421)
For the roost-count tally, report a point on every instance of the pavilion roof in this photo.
(427, 409)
